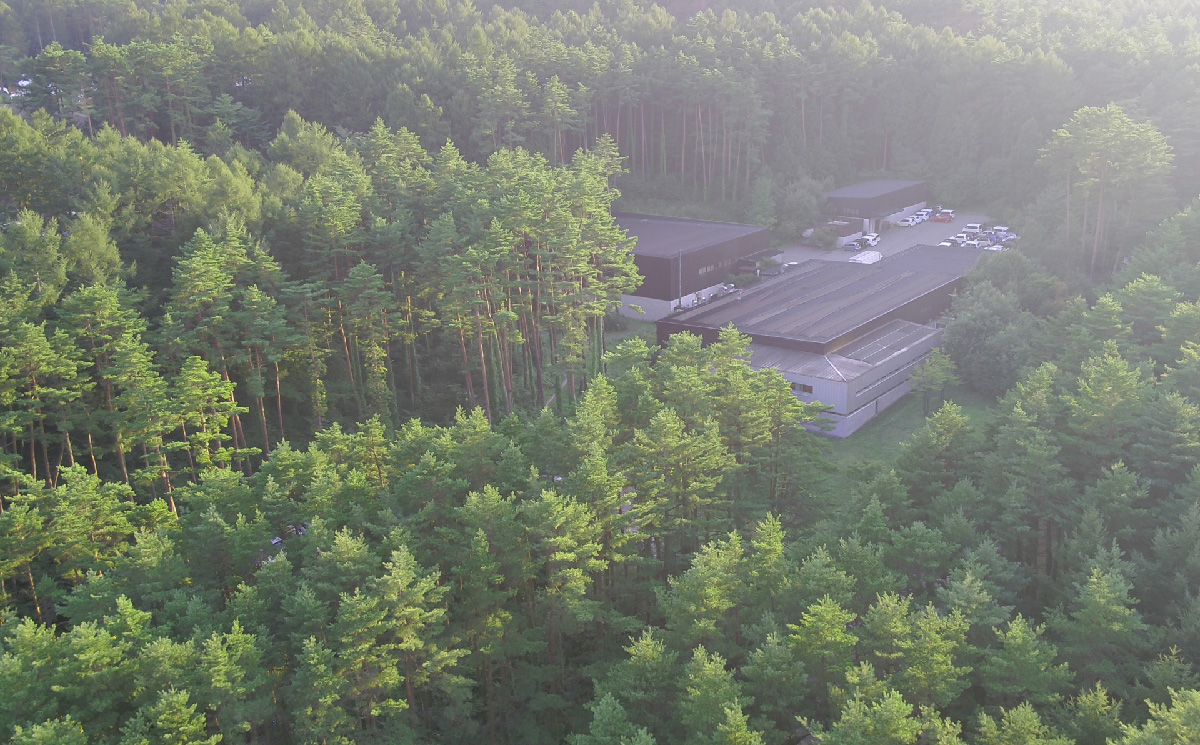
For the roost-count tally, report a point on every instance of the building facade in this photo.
(870, 204)
(685, 262)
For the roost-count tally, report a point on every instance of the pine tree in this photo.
(1023, 668)
(679, 496)
(708, 689)
(645, 684)
(1019, 726)
(887, 721)
(171, 718)
(238, 681)
(65, 731)
(1101, 635)
(610, 726)
(315, 696)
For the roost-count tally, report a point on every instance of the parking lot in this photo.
(891, 241)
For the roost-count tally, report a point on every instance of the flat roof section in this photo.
(849, 362)
(670, 236)
(821, 301)
(870, 189)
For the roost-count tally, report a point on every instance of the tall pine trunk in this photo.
(1099, 230)
(462, 345)
(483, 367)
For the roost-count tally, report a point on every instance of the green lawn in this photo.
(648, 330)
(881, 439)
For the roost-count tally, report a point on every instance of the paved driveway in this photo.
(928, 233)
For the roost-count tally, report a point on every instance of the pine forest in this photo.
(319, 426)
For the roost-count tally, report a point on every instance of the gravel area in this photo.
(891, 241)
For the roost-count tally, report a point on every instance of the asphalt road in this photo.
(892, 241)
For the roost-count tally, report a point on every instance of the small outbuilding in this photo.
(686, 262)
(873, 203)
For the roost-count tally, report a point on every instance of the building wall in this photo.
(846, 398)
(874, 207)
(701, 267)
(899, 214)
(829, 392)
(888, 375)
(844, 239)
(656, 310)
(856, 402)
(660, 276)
(844, 426)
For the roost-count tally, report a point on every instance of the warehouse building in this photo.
(685, 262)
(872, 203)
(844, 334)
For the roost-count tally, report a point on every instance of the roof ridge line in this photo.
(839, 372)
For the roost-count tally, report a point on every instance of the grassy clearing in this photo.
(630, 328)
(881, 440)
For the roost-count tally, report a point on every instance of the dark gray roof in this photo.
(821, 301)
(847, 363)
(670, 236)
(870, 189)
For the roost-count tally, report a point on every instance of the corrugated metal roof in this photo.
(849, 362)
(669, 236)
(807, 364)
(820, 301)
(886, 341)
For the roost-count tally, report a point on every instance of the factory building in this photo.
(844, 334)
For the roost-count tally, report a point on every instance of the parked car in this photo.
(908, 222)
(948, 243)
(944, 216)
(996, 247)
(959, 238)
(972, 243)
(924, 214)
(870, 239)
(973, 228)
(999, 229)
(853, 245)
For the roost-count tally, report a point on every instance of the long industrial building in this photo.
(844, 334)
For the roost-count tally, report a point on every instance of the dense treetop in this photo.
(317, 424)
